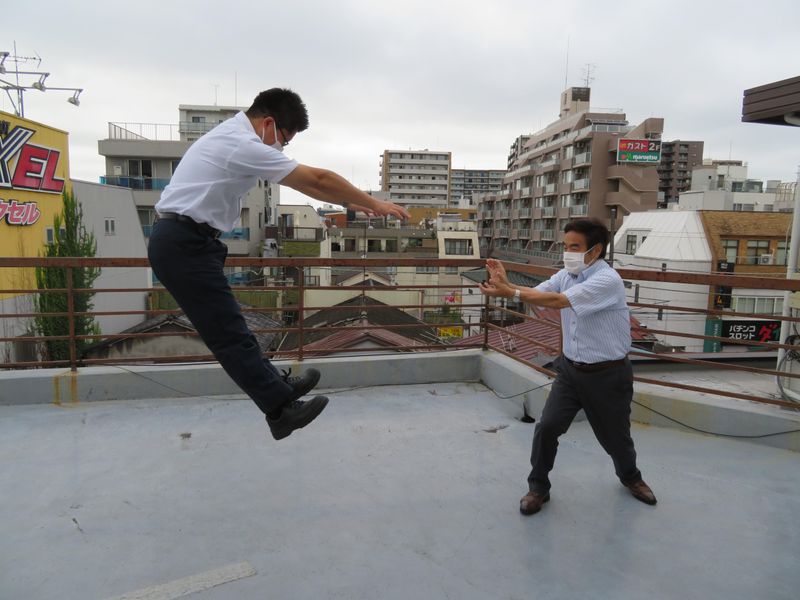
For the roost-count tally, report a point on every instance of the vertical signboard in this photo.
(34, 170)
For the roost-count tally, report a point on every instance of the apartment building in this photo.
(466, 182)
(724, 185)
(678, 160)
(416, 177)
(143, 157)
(574, 167)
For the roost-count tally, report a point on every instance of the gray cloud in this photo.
(461, 76)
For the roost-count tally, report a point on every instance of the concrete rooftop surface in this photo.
(401, 491)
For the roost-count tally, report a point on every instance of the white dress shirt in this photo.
(597, 327)
(218, 169)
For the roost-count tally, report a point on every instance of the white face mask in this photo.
(277, 145)
(574, 262)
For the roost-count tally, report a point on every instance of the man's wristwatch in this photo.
(517, 294)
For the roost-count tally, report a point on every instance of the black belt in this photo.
(594, 367)
(201, 227)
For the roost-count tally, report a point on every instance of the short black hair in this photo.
(593, 230)
(283, 105)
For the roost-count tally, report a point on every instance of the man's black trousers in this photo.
(605, 396)
(189, 263)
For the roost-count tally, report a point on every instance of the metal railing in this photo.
(293, 309)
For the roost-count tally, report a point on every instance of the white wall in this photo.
(100, 203)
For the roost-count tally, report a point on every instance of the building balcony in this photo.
(550, 188)
(548, 235)
(580, 184)
(524, 213)
(135, 183)
(579, 210)
(582, 159)
(503, 233)
(524, 234)
(548, 212)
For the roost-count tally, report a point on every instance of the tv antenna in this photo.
(10, 79)
(588, 74)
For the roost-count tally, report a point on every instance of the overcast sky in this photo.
(466, 77)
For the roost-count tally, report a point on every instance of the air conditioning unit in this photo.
(765, 259)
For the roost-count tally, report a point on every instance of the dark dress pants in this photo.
(189, 263)
(605, 396)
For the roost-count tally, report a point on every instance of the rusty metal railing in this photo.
(294, 300)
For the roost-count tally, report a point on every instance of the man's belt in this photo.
(201, 227)
(594, 367)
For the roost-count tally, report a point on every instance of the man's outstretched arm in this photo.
(327, 186)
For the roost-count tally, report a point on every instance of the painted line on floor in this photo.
(191, 584)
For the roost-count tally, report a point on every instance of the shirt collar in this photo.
(244, 122)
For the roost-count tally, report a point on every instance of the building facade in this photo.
(466, 182)
(570, 169)
(678, 160)
(416, 177)
(704, 242)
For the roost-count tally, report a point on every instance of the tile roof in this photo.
(352, 312)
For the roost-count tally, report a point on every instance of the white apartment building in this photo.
(416, 177)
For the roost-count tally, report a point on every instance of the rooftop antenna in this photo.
(566, 66)
(235, 88)
(14, 89)
(588, 74)
(216, 89)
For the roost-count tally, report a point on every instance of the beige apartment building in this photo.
(416, 177)
(569, 169)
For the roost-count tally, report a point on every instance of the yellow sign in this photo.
(34, 170)
(449, 331)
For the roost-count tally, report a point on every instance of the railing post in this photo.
(486, 323)
(300, 312)
(73, 354)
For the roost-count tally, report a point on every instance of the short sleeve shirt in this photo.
(218, 170)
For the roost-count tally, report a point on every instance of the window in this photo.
(49, 234)
(451, 270)
(198, 119)
(427, 270)
(630, 244)
(730, 248)
(140, 168)
(758, 304)
(780, 253)
(175, 165)
(459, 247)
(110, 227)
(756, 248)
(391, 245)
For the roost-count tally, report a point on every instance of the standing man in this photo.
(593, 371)
(202, 200)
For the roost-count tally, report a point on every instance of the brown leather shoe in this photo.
(531, 502)
(641, 491)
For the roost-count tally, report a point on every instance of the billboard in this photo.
(34, 170)
(638, 151)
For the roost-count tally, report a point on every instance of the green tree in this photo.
(70, 239)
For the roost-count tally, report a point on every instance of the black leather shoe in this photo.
(296, 415)
(302, 384)
(532, 502)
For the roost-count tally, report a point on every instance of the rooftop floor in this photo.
(396, 492)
